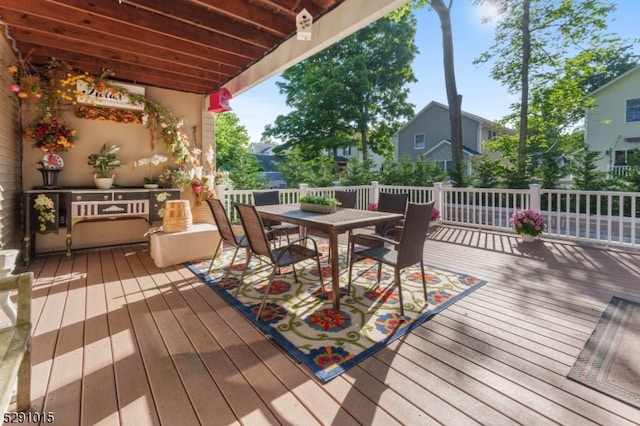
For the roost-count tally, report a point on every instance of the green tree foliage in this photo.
(410, 173)
(633, 177)
(244, 170)
(586, 175)
(486, 172)
(570, 54)
(358, 172)
(295, 168)
(231, 139)
(351, 93)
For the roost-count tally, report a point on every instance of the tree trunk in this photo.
(524, 97)
(453, 98)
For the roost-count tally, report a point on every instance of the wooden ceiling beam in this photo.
(198, 57)
(134, 75)
(105, 53)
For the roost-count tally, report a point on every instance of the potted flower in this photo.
(528, 224)
(150, 181)
(435, 217)
(315, 203)
(174, 177)
(50, 134)
(104, 163)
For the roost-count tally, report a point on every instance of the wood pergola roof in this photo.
(194, 46)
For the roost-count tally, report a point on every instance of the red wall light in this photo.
(219, 101)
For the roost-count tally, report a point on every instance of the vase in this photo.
(49, 178)
(528, 238)
(103, 182)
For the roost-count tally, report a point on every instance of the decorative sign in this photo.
(88, 94)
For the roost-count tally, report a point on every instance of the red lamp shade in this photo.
(219, 101)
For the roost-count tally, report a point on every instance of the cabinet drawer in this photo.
(129, 195)
(91, 196)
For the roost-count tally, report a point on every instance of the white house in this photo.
(612, 126)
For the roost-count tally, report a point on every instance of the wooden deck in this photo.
(118, 341)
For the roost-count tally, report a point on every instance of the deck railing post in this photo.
(375, 190)
(304, 189)
(534, 197)
(437, 195)
(221, 192)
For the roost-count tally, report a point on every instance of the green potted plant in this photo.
(103, 164)
(316, 203)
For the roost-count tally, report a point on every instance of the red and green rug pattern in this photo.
(301, 319)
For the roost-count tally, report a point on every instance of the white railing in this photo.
(603, 217)
(619, 171)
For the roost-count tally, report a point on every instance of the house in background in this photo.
(612, 127)
(428, 135)
(345, 154)
(259, 148)
(269, 171)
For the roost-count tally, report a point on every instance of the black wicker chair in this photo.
(294, 252)
(408, 251)
(226, 234)
(278, 229)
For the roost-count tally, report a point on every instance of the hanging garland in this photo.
(115, 115)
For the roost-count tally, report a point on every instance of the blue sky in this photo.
(482, 96)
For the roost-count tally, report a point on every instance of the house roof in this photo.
(269, 163)
(469, 151)
(620, 77)
(434, 104)
(192, 46)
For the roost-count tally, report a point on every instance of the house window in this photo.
(418, 142)
(446, 165)
(620, 158)
(346, 151)
(633, 110)
(491, 134)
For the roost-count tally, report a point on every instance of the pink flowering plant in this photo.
(528, 222)
(435, 214)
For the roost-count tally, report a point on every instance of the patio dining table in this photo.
(333, 224)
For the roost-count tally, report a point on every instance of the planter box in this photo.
(318, 208)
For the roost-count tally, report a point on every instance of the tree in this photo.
(358, 172)
(486, 172)
(453, 98)
(245, 171)
(295, 169)
(548, 51)
(584, 168)
(231, 139)
(352, 92)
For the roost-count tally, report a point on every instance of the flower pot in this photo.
(49, 178)
(318, 208)
(528, 238)
(151, 185)
(103, 182)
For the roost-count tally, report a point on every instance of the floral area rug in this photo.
(301, 319)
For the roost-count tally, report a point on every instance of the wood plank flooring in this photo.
(118, 341)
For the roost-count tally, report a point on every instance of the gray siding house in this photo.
(428, 135)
